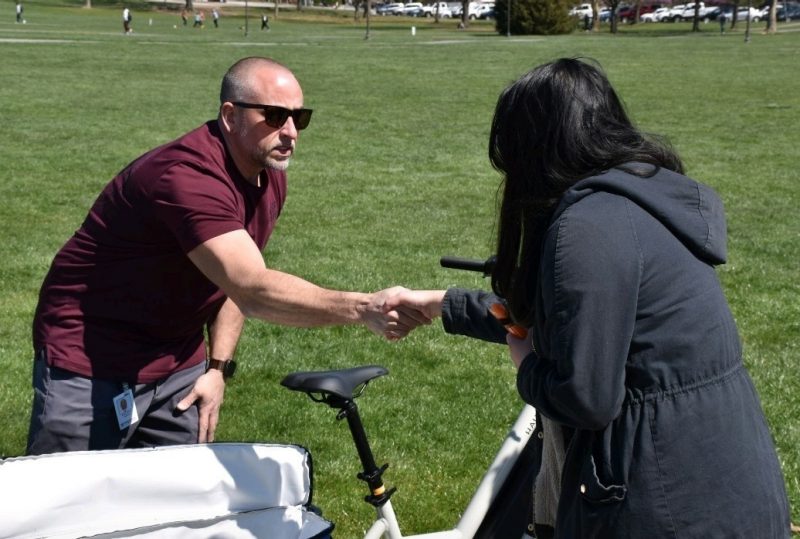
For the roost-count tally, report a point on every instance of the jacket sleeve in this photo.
(466, 312)
(589, 274)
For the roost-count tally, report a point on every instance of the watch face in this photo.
(227, 368)
(230, 368)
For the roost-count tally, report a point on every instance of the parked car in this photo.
(689, 11)
(604, 15)
(475, 9)
(655, 16)
(714, 13)
(581, 11)
(472, 14)
(627, 14)
(764, 8)
(675, 12)
(649, 17)
(395, 8)
(443, 8)
(789, 12)
(486, 12)
(412, 9)
(743, 12)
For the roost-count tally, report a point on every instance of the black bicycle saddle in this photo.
(340, 383)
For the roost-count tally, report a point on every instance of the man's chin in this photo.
(278, 164)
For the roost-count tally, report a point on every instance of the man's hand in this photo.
(207, 392)
(386, 315)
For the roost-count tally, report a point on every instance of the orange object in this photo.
(500, 312)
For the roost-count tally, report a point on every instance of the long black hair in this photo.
(557, 124)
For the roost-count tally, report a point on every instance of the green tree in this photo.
(541, 17)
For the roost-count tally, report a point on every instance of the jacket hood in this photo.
(691, 211)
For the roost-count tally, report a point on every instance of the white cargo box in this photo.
(231, 490)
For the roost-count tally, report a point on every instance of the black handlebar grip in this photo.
(483, 266)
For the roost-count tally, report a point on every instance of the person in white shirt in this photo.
(126, 20)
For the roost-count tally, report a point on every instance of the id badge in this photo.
(125, 407)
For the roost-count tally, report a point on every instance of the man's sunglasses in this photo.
(276, 116)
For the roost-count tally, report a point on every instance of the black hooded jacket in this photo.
(637, 355)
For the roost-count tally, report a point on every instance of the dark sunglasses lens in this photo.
(276, 116)
(301, 118)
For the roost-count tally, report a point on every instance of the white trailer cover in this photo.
(230, 490)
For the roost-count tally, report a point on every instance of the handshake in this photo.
(404, 310)
(395, 312)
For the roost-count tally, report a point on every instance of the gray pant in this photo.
(75, 413)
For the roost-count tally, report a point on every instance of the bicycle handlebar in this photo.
(483, 266)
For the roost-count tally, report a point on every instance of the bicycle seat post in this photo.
(339, 389)
(372, 475)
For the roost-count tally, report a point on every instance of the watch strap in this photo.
(226, 366)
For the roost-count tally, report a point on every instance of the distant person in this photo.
(215, 16)
(126, 20)
(171, 252)
(19, 13)
(184, 16)
(722, 19)
(198, 20)
(264, 22)
(650, 424)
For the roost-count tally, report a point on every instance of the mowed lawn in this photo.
(392, 174)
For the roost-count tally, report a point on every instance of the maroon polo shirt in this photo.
(122, 301)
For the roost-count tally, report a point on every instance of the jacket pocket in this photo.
(595, 490)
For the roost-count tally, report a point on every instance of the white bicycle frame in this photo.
(387, 527)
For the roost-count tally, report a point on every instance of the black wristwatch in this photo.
(227, 366)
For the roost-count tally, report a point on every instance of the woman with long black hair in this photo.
(651, 426)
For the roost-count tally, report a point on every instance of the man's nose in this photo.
(288, 128)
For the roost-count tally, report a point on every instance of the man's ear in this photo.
(227, 116)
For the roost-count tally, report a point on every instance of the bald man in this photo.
(172, 247)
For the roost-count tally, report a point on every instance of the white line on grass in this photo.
(43, 41)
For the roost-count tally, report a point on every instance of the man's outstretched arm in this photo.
(233, 262)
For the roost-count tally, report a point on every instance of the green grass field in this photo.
(392, 174)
